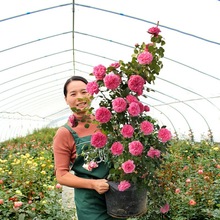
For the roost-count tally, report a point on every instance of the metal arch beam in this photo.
(109, 59)
(28, 74)
(35, 41)
(29, 13)
(172, 108)
(150, 22)
(189, 91)
(184, 104)
(35, 86)
(39, 58)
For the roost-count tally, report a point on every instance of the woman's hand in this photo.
(101, 186)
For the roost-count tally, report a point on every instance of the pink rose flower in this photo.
(127, 131)
(92, 165)
(73, 120)
(119, 104)
(123, 185)
(131, 98)
(103, 115)
(136, 84)
(141, 106)
(147, 127)
(58, 186)
(92, 87)
(192, 202)
(164, 135)
(115, 65)
(117, 148)
(177, 191)
(146, 108)
(99, 72)
(153, 153)
(147, 46)
(128, 166)
(165, 208)
(200, 171)
(154, 30)
(135, 148)
(145, 58)
(17, 204)
(112, 81)
(134, 109)
(98, 139)
(30, 201)
(188, 180)
(1, 201)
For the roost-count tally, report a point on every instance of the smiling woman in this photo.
(76, 95)
(69, 141)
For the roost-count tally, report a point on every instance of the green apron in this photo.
(89, 204)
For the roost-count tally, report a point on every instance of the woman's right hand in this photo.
(101, 186)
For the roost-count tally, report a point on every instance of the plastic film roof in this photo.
(45, 42)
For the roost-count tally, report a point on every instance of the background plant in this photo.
(28, 187)
(184, 161)
(190, 176)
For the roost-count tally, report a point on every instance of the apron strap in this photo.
(74, 134)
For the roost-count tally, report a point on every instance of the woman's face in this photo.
(77, 97)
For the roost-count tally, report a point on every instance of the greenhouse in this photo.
(43, 43)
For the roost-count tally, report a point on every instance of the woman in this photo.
(69, 140)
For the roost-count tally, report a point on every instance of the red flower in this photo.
(112, 81)
(164, 135)
(136, 84)
(154, 30)
(127, 131)
(145, 58)
(165, 208)
(146, 108)
(17, 204)
(128, 166)
(123, 185)
(92, 165)
(134, 109)
(119, 104)
(115, 65)
(153, 153)
(131, 98)
(98, 140)
(92, 87)
(177, 191)
(99, 72)
(192, 202)
(73, 120)
(136, 148)
(147, 127)
(103, 115)
(117, 148)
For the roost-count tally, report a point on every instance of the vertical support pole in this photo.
(73, 37)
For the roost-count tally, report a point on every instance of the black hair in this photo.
(73, 78)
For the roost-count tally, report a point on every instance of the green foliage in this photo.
(27, 177)
(190, 177)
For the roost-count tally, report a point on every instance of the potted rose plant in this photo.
(129, 140)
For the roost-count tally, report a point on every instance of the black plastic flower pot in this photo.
(124, 204)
